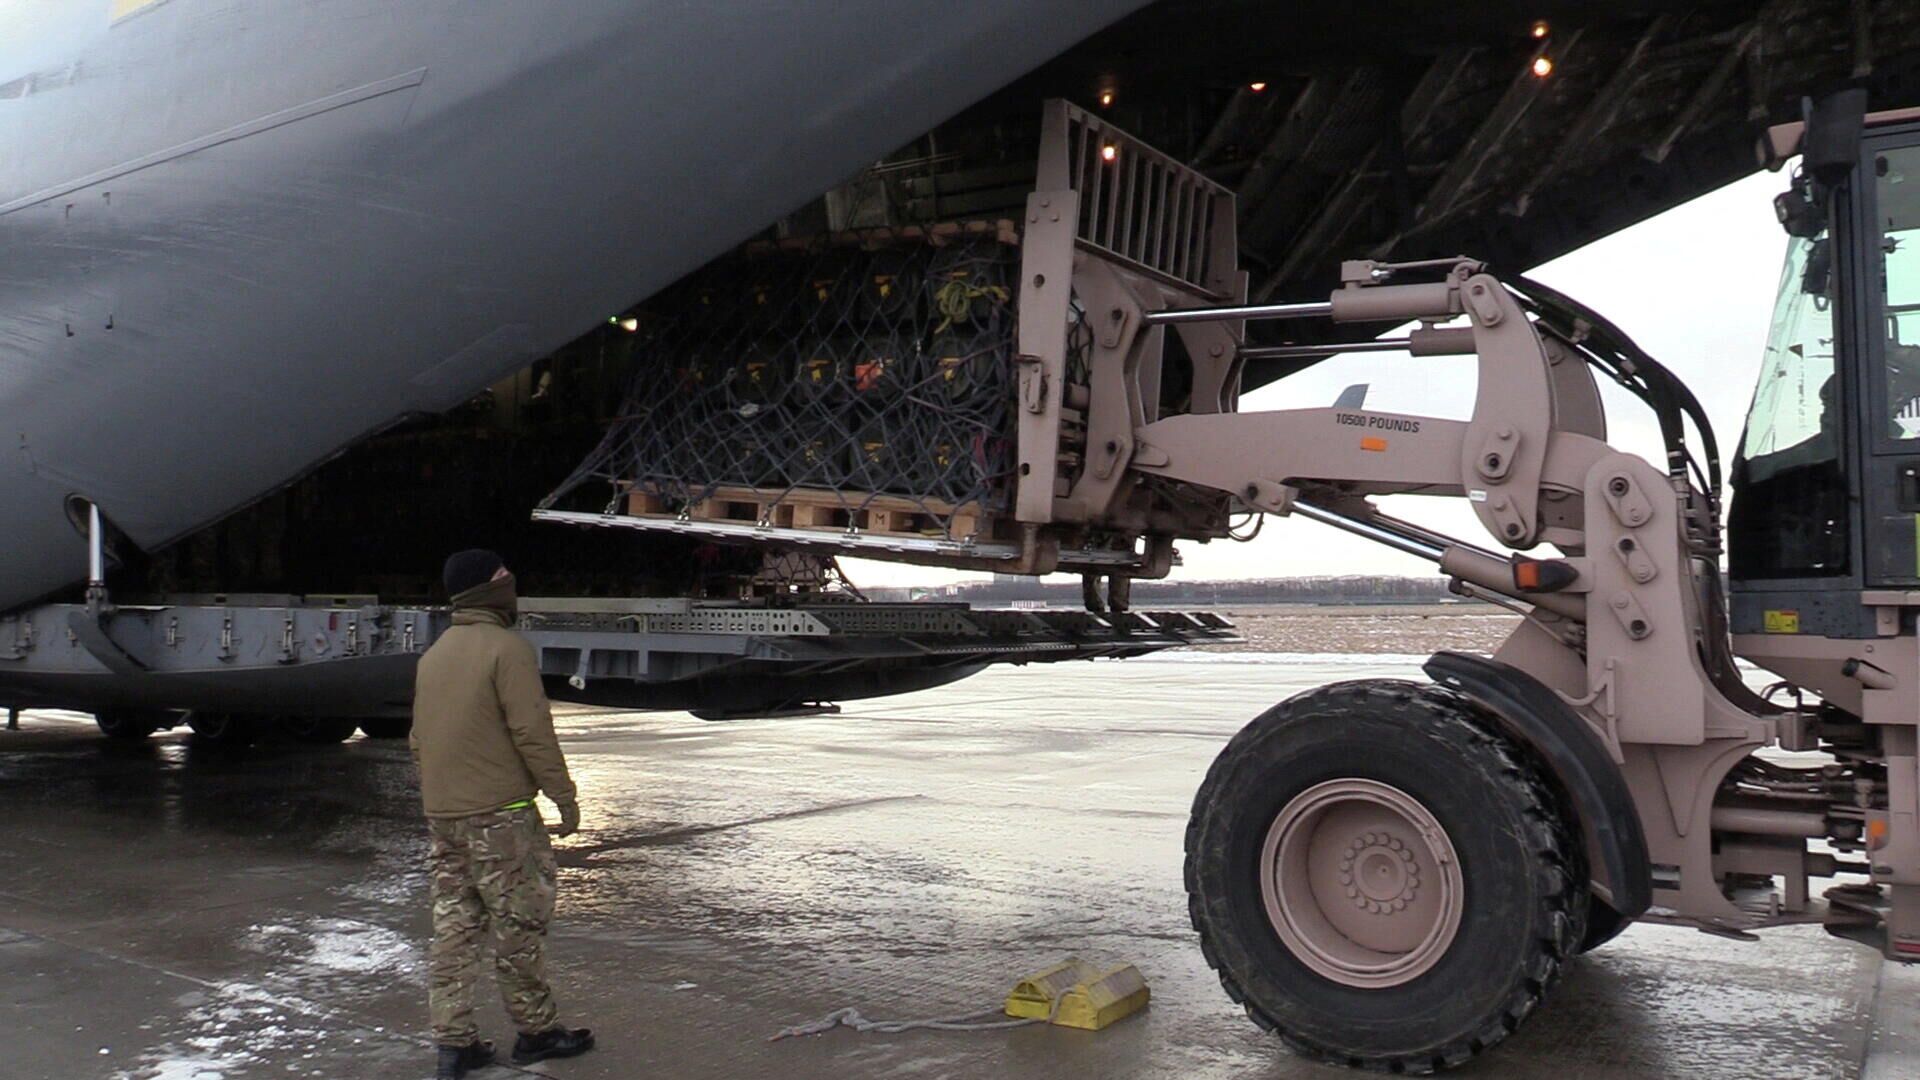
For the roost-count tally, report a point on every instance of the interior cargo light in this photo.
(1109, 152)
(1542, 66)
(1256, 87)
(629, 324)
(1540, 29)
(1106, 98)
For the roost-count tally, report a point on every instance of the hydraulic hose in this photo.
(1630, 366)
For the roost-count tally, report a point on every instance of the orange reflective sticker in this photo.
(1368, 442)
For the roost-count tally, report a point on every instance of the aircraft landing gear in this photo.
(222, 729)
(320, 729)
(130, 725)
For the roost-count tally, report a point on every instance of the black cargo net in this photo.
(830, 375)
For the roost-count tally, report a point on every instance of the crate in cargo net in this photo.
(859, 382)
(960, 394)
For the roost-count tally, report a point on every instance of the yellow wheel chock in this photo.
(1077, 994)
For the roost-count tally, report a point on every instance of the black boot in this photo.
(457, 1061)
(552, 1043)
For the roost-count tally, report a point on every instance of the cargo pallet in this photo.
(822, 510)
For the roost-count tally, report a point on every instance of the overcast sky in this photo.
(1693, 286)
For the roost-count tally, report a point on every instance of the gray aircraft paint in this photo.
(236, 236)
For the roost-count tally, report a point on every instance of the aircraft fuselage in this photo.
(237, 236)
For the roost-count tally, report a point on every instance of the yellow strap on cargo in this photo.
(954, 300)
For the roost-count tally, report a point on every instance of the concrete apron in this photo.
(198, 915)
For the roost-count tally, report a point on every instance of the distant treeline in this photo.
(1293, 590)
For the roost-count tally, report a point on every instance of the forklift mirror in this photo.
(1800, 212)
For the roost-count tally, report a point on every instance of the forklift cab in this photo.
(1826, 484)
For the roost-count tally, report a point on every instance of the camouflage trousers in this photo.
(493, 878)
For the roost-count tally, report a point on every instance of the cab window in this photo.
(1789, 516)
(1897, 212)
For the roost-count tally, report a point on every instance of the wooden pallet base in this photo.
(825, 511)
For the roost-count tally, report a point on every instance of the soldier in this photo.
(483, 739)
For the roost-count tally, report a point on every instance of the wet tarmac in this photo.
(171, 913)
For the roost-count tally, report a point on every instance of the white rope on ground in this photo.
(850, 1017)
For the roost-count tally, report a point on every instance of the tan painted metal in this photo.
(1106, 240)
(1361, 882)
(1621, 644)
(1635, 641)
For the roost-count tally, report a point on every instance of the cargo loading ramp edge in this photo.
(353, 656)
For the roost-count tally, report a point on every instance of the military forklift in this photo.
(1391, 874)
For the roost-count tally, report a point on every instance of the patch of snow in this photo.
(183, 1069)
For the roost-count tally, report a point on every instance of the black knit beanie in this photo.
(465, 569)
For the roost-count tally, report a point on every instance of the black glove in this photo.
(569, 819)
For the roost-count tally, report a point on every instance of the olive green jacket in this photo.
(482, 729)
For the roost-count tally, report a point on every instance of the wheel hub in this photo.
(1361, 883)
(1379, 873)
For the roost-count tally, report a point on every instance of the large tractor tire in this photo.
(129, 725)
(320, 729)
(222, 729)
(1382, 879)
(386, 727)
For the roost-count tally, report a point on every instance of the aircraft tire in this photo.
(128, 725)
(222, 729)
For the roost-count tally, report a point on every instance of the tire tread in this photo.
(1555, 846)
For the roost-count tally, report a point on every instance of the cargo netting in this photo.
(854, 373)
